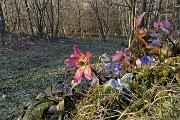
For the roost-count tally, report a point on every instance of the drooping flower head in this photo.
(123, 57)
(141, 32)
(81, 62)
(151, 45)
(166, 27)
(120, 55)
(146, 60)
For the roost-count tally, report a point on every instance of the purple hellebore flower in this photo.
(146, 60)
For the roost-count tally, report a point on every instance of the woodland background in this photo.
(50, 19)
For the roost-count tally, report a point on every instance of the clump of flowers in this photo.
(127, 71)
(144, 48)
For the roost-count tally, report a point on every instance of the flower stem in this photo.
(101, 81)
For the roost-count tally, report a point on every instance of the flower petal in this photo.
(146, 60)
(117, 56)
(88, 54)
(167, 24)
(156, 25)
(76, 50)
(74, 55)
(156, 35)
(164, 30)
(149, 58)
(141, 32)
(127, 52)
(71, 61)
(78, 75)
(154, 42)
(138, 63)
(139, 19)
(87, 72)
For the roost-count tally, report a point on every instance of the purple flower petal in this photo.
(100, 69)
(167, 24)
(146, 60)
(117, 68)
(108, 65)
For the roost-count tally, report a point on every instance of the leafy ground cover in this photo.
(26, 72)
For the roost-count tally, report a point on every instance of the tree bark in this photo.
(29, 17)
(144, 10)
(133, 12)
(58, 19)
(94, 6)
(2, 27)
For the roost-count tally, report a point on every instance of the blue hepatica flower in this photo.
(146, 60)
(100, 69)
(63, 87)
(108, 65)
(117, 68)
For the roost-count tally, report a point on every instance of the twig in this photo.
(170, 40)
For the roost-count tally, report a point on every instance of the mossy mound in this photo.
(100, 103)
(160, 75)
(150, 90)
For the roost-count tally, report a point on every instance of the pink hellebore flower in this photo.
(82, 62)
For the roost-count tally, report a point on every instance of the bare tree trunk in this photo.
(40, 10)
(52, 19)
(94, 6)
(133, 12)
(144, 10)
(149, 14)
(79, 20)
(17, 7)
(29, 17)
(2, 27)
(58, 19)
(157, 14)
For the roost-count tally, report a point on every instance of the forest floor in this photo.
(26, 72)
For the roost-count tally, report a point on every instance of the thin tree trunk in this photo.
(17, 6)
(29, 17)
(52, 19)
(99, 19)
(144, 10)
(157, 14)
(149, 14)
(2, 27)
(133, 12)
(58, 19)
